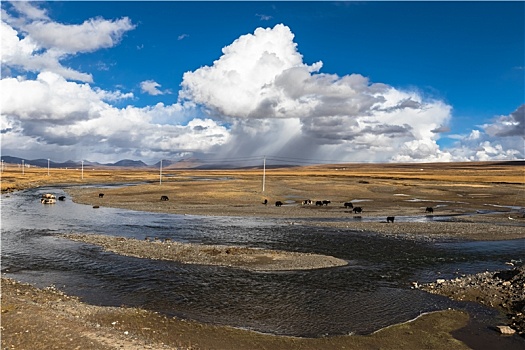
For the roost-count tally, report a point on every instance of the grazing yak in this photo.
(358, 210)
(62, 198)
(164, 198)
(101, 195)
(307, 202)
(429, 210)
(319, 203)
(265, 202)
(390, 218)
(48, 200)
(278, 203)
(326, 202)
(348, 205)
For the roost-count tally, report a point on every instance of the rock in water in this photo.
(506, 330)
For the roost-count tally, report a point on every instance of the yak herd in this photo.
(49, 198)
(322, 203)
(346, 205)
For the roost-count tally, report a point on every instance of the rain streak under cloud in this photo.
(258, 98)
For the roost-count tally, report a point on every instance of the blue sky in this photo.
(364, 81)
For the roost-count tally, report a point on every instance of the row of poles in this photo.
(160, 172)
(2, 167)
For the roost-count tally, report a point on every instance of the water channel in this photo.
(371, 292)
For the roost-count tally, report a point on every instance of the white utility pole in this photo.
(82, 169)
(23, 167)
(47, 166)
(264, 171)
(160, 177)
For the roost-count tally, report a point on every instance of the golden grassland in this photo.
(384, 189)
(14, 179)
(475, 173)
(381, 189)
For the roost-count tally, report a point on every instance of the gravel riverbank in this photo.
(43, 319)
(503, 290)
(488, 228)
(237, 257)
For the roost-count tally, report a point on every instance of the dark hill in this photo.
(129, 163)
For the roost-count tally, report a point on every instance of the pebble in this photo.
(506, 330)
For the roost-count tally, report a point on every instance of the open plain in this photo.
(483, 201)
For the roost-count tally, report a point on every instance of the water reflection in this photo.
(371, 292)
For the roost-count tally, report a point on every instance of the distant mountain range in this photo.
(43, 163)
(188, 163)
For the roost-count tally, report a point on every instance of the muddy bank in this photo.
(231, 256)
(503, 290)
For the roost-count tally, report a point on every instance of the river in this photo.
(373, 291)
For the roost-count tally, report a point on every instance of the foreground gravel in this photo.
(504, 290)
(44, 319)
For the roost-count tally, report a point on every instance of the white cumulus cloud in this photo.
(508, 125)
(237, 82)
(501, 139)
(51, 112)
(32, 42)
(151, 87)
(263, 76)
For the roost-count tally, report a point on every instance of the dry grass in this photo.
(388, 190)
(474, 173)
(13, 178)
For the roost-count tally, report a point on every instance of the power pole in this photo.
(160, 178)
(264, 172)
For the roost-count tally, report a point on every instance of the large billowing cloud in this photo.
(53, 111)
(262, 76)
(258, 98)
